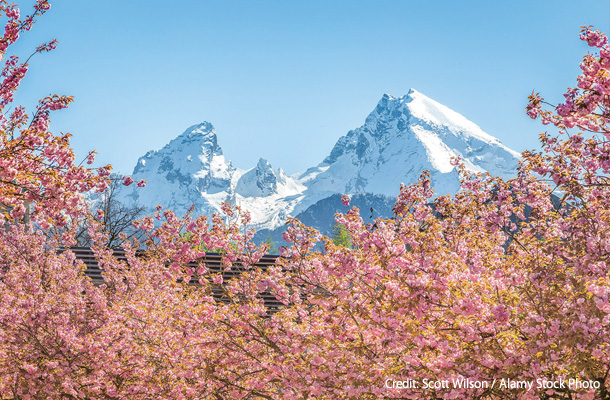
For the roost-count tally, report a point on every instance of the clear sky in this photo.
(284, 80)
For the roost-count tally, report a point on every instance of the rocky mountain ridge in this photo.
(401, 137)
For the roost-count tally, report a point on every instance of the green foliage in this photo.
(271, 246)
(341, 237)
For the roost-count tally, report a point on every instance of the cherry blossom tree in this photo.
(506, 281)
(38, 176)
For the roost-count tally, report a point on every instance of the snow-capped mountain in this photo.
(399, 139)
(189, 170)
(192, 170)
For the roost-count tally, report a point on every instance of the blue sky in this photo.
(284, 80)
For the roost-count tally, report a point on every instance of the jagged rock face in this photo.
(191, 170)
(181, 171)
(260, 181)
(399, 139)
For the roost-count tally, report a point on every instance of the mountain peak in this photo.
(389, 100)
(417, 108)
(192, 160)
(259, 181)
(403, 136)
(198, 139)
(263, 164)
(202, 131)
(205, 128)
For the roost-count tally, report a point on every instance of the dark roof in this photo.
(212, 261)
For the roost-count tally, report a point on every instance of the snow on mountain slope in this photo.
(189, 170)
(270, 195)
(263, 181)
(399, 139)
(192, 170)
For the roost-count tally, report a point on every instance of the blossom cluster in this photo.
(39, 179)
(585, 107)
